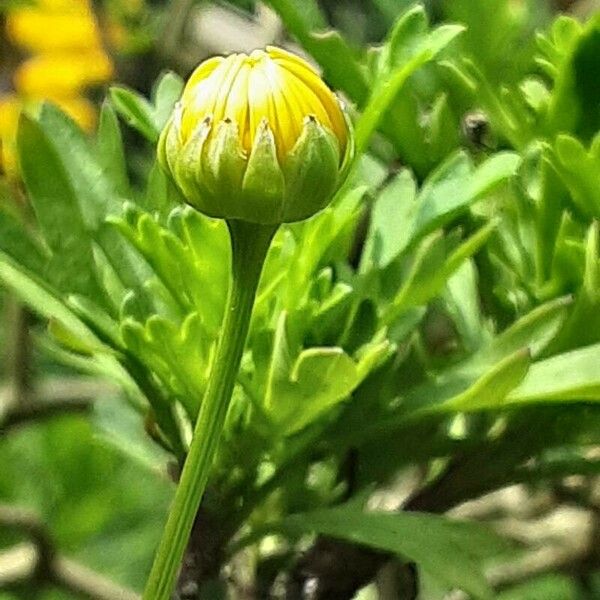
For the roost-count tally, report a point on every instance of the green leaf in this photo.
(534, 331)
(189, 260)
(582, 327)
(580, 172)
(490, 391)
(120, 426)
(179, 354)
(320, 378)
(400, 217)
(553, 198)
(393, 209)
(312, 15)
(453, 552)
(550, 586)
(148, 118)
(461, 298)
(573, 376)
(443, 130)
(574, 103)
(136, 111)
(168, 91)
(387, 89)
(16, 242)
(111, 154)
(316, 380)
(432, 266)
(403, 40)
(58, 212)
(97, 195)
(466, 392)
(96, 319)
(301, 390)
(493, 363)
(162, 195)
(44, 302)
(455, 186)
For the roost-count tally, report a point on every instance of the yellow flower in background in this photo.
(61, 30)
(61, 75)
(258, 137)
(10, 108)
(66, 58)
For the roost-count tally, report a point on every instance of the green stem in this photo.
(249, 246)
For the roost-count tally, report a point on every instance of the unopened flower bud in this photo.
(257, 137)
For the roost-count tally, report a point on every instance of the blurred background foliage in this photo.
(438, 325)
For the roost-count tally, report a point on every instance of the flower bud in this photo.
(257, 137)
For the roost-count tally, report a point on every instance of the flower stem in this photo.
(249, 245)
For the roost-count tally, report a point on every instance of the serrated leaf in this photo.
(302, 388)
(180, 354)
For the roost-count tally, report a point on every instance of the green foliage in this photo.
(452, 550)
(83, 489)
(443, 314)
(148, 118)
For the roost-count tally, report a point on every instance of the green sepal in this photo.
(188, 168)
(311, 172)
(350, 152)
(168, 142)
(224, 165)
(263, 186)
(215, 175)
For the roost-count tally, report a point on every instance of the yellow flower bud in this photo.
(257, 137)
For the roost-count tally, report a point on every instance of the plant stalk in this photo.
(249, 245)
